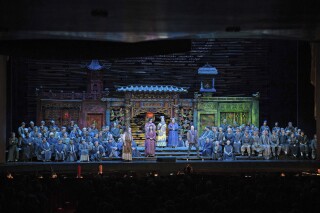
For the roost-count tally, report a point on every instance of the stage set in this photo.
(133, 106)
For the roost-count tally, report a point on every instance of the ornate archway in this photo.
(160, 100)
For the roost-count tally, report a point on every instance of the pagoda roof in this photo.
(152, 88)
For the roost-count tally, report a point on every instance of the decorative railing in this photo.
(72, 95)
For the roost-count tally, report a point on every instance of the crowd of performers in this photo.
(228, 141)
(46, 143)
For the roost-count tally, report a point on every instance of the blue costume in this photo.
(84, 151)
(45, 151)
(227, 152)
(27, 147)
(59, 152)
(207, 149)
(135, 151)
(173, 135)
(71, 152)
(97, 153)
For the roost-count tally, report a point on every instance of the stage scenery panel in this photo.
(206, 120)
(239, 117)
(95, 118)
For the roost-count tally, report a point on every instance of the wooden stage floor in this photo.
(142, 167)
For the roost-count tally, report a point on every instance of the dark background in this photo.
(278, 69)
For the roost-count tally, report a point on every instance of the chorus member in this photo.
(27, 147)
(237, 141)
(105, 133)
(45, 150)
(304, 145)
(181, 142)
(71, 126)
(65, 138)
(21, 133)
(97, 152)
(228, 151)
(217, 151)
(34, 132)
(60, 151)
(13, 152)
(127, 144)
(275, 144)
(313, 147)
(283, 141)
(96, 138)
(221, 136)
(150, 141)
(53, 125)
(31, 126)
(246, 143)
(94, 130)
(294, 146)
(257, 145)
(264, 127)
(214, 133)
(229, 136)
(115, 131)
(74, 133)
(84, 151)
(265, 140)
(224, 125)
(112, 148)
(71, 152)
(207, 148)
(43, 126)
(290, 127)
(52, 141)
(207, 133)
(173, 133)
(276, 128)
(135, 151)
(37, 141)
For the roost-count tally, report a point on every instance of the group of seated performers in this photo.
(47, 143)
(226, 141)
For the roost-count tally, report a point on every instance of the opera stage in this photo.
(144, 167)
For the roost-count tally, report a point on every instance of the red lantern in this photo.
(66, 115)
(149, 114)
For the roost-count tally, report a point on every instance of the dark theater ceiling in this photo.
(149, 20)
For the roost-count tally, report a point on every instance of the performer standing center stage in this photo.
(162, 136)
(173, 133)
(149, 123)
(150, 141)
(127, 140)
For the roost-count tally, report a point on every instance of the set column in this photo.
(3, 107)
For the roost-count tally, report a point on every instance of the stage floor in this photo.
(141, 168)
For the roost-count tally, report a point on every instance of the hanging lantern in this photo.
(150, 115)
(66, 115)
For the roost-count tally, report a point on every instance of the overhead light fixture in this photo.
(95, 65)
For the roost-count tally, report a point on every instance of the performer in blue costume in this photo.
(173, 133)
(207, 148)
(228, 151)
